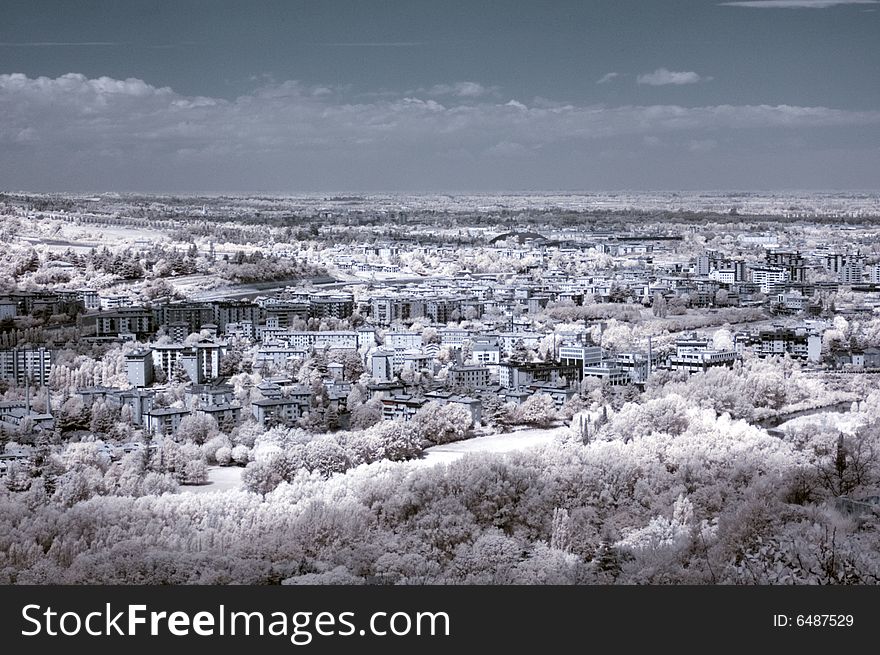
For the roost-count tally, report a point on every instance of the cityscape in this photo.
(155, 350)
(394, 294)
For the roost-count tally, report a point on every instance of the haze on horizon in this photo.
(290, 97)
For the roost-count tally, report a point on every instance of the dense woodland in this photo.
(667, 488)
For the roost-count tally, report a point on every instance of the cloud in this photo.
(796, 4)
(97, 44)
(60, 44)
(110, 133)
(607, 77)
(663, 76)
(507, 149)
(373, 44)
(702, 145)
(459, 89)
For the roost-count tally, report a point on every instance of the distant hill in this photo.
(521, 237)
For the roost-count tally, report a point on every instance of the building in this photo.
(336, 340)
(13, 414)
(135, 321)
(401, 406)
(239, 330)
(331, 305)
(226, 414)
(518, 375)
(871, 358)
(384, 310)
(792, 262)
(852, 271)
(200, 396)
(607, 373)
(8, 310)
(89, 298)
(509, 341)
(766, 277)
(277, 355)
(487, 351)
(469, 376)
(701, 266)
(23, 366)
(228, 312)
(281, 410)
(164, 421)
(453, 336)
(366, 337)
(443, 310)
(139, 367)
(560, 393)
(287, 313)
(382, 365)
(696, 353)
(580, 356)
(193, 315)
(799, 343)
(793, 301)
(403, 340)
(139, 400)
(473, 405)
(178, 331)
(200, 361)
(637, 364)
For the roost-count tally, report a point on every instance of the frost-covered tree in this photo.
(659, 306)
(438, 423)
(197, 428)
(261, 477)
(538, 409)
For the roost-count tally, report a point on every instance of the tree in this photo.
(353, 366)
(659, 306)
(74, 415)
(519, 353)
(400, 440)
(230, 364)
(197, 427)
(223, 456)
(618, 293)
(496, 412)
(261, 477)
(103, 418)
(437, 423)
(194, 472)
(722, 340)
(17, 478)
(430, 335)
(325, 455)
(538, 409)
(356, 396)
(331, 419)
(852, 464)
(366, 415)
(240, 454)
(560, 536)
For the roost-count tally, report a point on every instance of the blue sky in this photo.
(439, 96)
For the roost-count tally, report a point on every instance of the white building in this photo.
(767, 276)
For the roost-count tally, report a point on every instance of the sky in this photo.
(198, 96)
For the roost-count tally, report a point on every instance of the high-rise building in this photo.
(139, 367)
(22, 366)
